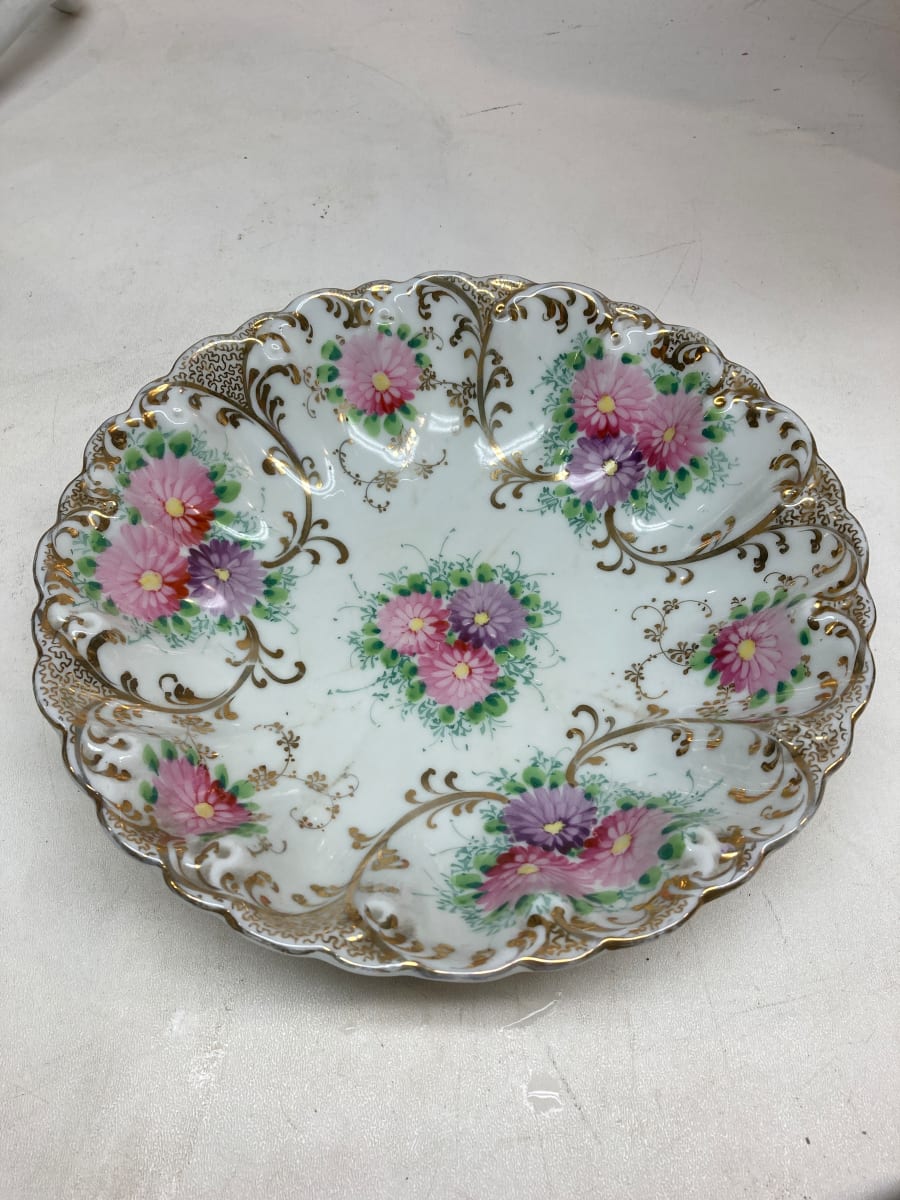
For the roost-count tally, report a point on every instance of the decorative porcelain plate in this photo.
(454, 626)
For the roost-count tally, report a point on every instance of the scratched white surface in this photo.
(170, 169)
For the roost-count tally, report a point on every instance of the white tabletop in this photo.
(171, 169)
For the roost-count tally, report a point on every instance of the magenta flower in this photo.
(757, 652)
(457, 674)
(623, 846)
(485, 614)
(557, 818)
(224, 578)
(144, 573)
(610, 397)
(191, 802)
(605, 471)
(412, 624)
(378, 373)
(527, 871)
(176, 495)
(670, 432)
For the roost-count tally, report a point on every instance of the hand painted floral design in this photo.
(627, 432)
(558, 818)
(591, 844)
(486, 614)
(178, 561)
(373, 375)
(455, 642)
(758, 653)
(458, 674)
(609, 395)
(175, 495)
(144, 573)
(604, 471)
(624, 846)
(225, 578)
(413, 623)
(186, 800)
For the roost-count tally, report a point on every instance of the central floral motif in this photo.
(372, 376)
(455, 643)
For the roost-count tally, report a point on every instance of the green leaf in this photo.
(571, 508)
(372, 424)
(179, 624)
(134, 517)
(393, 425)
(535, 620)
(181, 443)
(327, 373)
(593, 347)
(228, 490)
(216, 471)
(484, 859)
(484, 572)
(667, 384)
(700, 660)
(372, 646)
(631, 358)
(760, 600)
(417, 582)
(758, 698)
(503, 683)
(691, 380)
(467, 879)
(415, 691)
(700, 467)
(331, 351)
(243, 789)
(460, 578)
(277, 595)
(517, 648)
(556, 778)
(575, 360)
(167, 750)
(532, 600)
(714, 433)
(495, 705)
(534, 776)
(220, 774)
(192, 756)
(403, 332)
(86, 565)
(495, 825)
(132, 459)
(150, 758)
(389, 656)
(259, 611)
(805, 637)
(446, 714)
(155, 444)
(147, 792)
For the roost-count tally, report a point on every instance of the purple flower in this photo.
(224, 578)
(557, 818)
(485, 614)
(605, 470)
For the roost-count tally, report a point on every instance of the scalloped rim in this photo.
(847, 719)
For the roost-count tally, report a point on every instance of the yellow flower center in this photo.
(606, 404)
(462, 670)
(669, 433)
(554, 827)
(621, 844)
(527, 869)
(222, 573)
(747, 649)
(204, 811)
(610, 466)
(481, 618)
(174, 507)
(380, 381)
(151, 581)
(416, 624)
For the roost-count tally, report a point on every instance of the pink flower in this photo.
(144, 573)
(527, 871)
(623, 846)
(190, 802)
(669, 433)
(413, 623)
(176, 495)
(378, 373)
(458, 675)
(757, 652)
(610, 397)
